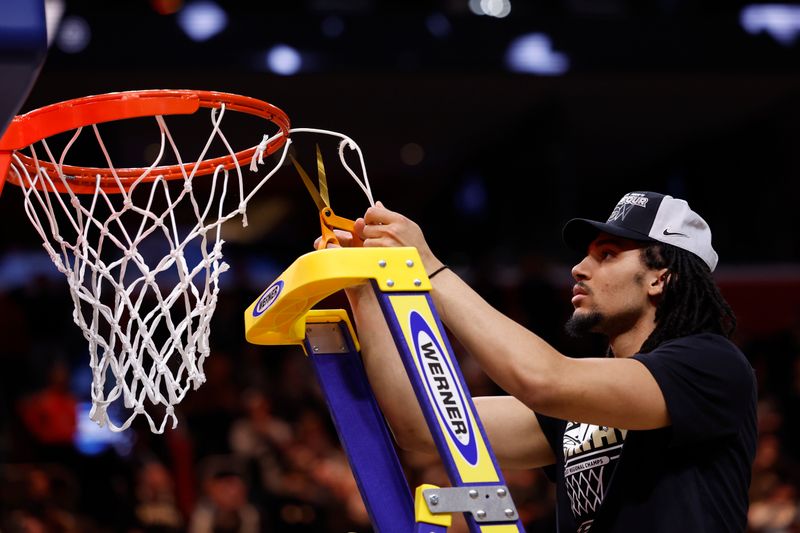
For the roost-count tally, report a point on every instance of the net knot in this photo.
(258, 155)
(127, 203)
(98, 413)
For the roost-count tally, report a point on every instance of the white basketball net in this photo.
(147, 319)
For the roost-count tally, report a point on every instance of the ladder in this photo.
(283, 315)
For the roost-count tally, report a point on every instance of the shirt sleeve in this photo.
(707, 384)
(553, 429)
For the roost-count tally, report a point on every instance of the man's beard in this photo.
(581, 324)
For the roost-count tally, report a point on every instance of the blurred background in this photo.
(490, 123)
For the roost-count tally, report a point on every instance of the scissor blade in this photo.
(309, 184)
(323, 181)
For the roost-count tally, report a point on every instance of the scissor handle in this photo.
(330, 221)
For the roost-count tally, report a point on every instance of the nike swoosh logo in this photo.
(669, 233)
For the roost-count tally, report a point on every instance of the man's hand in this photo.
(383, 227)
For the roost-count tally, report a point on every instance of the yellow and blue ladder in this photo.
(283, 315)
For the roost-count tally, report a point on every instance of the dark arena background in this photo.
(488, 122)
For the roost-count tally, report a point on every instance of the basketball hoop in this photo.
(140, 245)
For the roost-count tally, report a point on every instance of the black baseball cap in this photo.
(649, 217)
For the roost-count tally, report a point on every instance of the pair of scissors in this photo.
(327, 219)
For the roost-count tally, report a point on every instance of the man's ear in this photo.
(659, 281)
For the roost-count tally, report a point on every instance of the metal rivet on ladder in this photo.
(382, 263)
(434, 499)
(501, 493)
(389, 283)
(417, 283)
(481, 514)
(509, 512)
(409, 263)
(473, 494)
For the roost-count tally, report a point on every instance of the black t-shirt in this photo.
(692, 476)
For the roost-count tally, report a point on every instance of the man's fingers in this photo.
(343, 235)
(381, 215)
(381, 242)
(358, 228)
(373, 231)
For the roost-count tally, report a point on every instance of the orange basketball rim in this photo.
(61, 117)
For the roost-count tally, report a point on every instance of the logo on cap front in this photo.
(627, 203)
(669, 233)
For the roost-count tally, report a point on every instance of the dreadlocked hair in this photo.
(691, 302)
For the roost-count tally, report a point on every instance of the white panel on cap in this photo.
(676, 224)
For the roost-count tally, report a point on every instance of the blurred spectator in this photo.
(49, 415)
(779, 512)
(261, 437)
(333, 472)
(156, 508)
(224, 506)
(39, 499)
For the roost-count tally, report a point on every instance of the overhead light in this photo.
(74, 34)
(781, 21)
(438, 25)
(475, 7)
(202, 20)
(284, 60)
(492, 8)
(533, 54)
(472, 198)
(496, 8)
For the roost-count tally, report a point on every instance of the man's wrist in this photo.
(437, 271)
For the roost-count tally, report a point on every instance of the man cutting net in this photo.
(659, 433)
